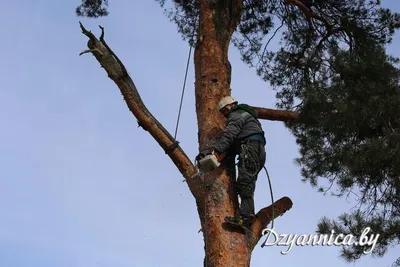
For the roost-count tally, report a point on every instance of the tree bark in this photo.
(223, 246)
(266, 215)
(217, 22)
(277, 115)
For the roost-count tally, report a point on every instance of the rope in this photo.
(184, 82)
(205, 235)
(273, 208)
(251, 166)
(175, 144)
(183, 92)
(249, 160)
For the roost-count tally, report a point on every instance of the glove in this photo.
(200, 156)
(203, 153)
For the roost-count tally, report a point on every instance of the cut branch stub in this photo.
(117, 72)
(266, 215)
(277, 115)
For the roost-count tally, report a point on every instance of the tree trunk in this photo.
(214, 193)
(218, 20)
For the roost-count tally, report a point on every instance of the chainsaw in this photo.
(206, 162)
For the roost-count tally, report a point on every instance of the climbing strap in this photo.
(172, 147)
(250, 163)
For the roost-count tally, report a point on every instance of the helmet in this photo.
(226, 101)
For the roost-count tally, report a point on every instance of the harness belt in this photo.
(258, 137)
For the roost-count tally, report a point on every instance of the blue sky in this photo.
(82, 186)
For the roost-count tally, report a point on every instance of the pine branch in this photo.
(117, 72)
(265, 216)
(277, 115)
(309, 14)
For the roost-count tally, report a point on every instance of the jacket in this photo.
(241, 124)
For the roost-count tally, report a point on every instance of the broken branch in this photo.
(117, 72)
(266, 215)
(88, 51)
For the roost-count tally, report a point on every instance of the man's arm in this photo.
(231, 131)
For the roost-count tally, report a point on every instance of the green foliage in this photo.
(354, 224)
(352, 138)
(185, 14)
(332, 67)
(396, 263)
(92, 8)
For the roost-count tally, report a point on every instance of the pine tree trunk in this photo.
(218, 20)
(215, 195)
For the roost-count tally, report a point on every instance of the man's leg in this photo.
(245, 187)
(247, 179)
(246, 183)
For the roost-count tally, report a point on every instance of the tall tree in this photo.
(337, 89)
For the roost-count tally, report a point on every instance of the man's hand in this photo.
(200, 156)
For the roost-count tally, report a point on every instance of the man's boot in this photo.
(241, 221)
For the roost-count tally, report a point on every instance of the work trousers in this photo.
(247, 176)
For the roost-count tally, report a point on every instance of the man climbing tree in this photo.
(339, 88)
(243, 135)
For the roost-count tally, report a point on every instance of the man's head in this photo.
(226, 104)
